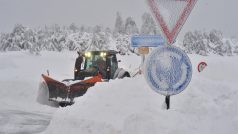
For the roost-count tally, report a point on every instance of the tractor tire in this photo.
(126, 74)
(121, 73)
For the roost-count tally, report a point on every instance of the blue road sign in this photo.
(168, 70)
(147, 41)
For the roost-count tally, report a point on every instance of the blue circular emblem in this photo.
(168, 70)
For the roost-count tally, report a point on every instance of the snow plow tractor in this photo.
(90, 68)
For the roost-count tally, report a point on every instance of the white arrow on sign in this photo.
(171, 15)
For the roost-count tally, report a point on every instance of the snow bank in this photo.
(20, 75)
(129, 106)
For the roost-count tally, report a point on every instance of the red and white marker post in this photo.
(201, 66)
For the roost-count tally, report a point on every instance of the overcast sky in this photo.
(207, 14)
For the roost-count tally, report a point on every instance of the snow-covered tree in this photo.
(119, 25)
(5, 42)
(148, 25)
(73, 27)
(227, 49)
(123, 44)
(235, 50)
(97, 29)
(78, 41)
(99, 42)
(82, 28)
(131, 27)
(58, 38)
(108, 31)
(203, 44)
(194, 43)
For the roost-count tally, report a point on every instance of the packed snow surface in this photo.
(129, 106)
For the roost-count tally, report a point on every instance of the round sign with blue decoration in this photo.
(168, 70)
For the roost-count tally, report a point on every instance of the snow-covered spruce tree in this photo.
(82, 28)
(108, 33)
(204, 44)
(123, 44)
(200, 45)
(72, 41)
(235, 51)
(1, 42)
(100, 41)
(187, 42)
(74, 28)
(227, 48)
(215, 41)
(108, 30)
(56, 38)
(97, 29)
(58, 41)
(148, 25)
(235, 45)
(218, 44)
(193, 43)
(4, 42)
(78, 41)
(119, 25)
(16, 38)
(21, 38)
(131, 27)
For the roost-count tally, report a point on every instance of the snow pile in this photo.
(129, 106)
(21, 75)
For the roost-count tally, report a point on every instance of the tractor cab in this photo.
(102, 62)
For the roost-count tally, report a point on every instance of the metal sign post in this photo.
(143, 42)
(142, 63)
(167, 101)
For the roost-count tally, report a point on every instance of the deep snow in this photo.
(129, 106)
(20, 76)
(20, 79)
(208, 105)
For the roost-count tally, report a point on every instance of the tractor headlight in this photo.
(103, 54)
(88, 54)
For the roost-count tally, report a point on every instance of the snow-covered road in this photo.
(23, 122)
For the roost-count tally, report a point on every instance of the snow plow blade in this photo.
(68, 92)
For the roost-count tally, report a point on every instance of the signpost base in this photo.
(167, 101)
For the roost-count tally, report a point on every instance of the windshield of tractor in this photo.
(95, 61)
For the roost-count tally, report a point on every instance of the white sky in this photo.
(208, 14)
